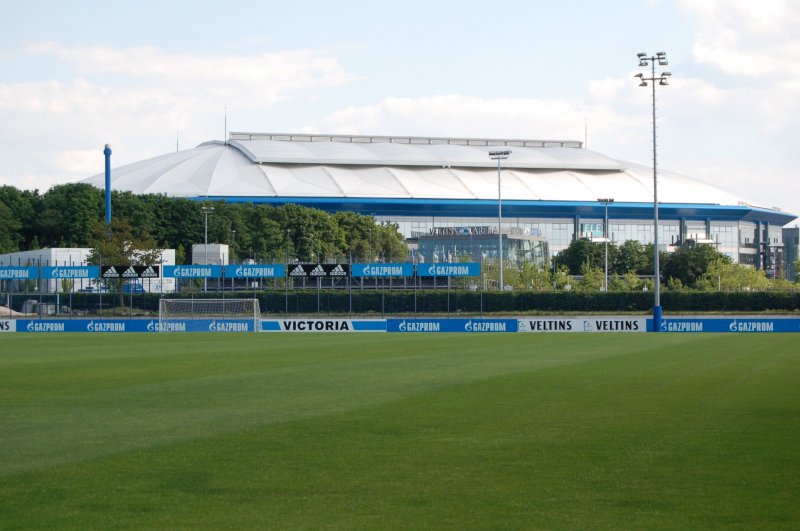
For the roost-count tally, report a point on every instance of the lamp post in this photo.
(498, 156)
(606, 201)
(206, 210)
(644, 61)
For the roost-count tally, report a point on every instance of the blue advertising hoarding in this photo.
(193, 271)
(728, 324)
(18, 273)
(452, 325)
(383, 270)
(447, 269)
(255, 271)
(71, 272)
(134, 325)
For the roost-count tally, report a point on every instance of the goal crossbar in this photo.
(209, 315)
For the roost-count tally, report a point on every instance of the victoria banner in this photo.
(323, 325)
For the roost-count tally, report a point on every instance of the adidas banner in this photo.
(129, 271)
(318, 270)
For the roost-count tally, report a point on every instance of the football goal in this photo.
(209, 315)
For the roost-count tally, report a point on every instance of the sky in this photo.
(152, 77)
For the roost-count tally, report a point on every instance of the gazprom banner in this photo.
(255, 271)
(727, 324)
(133, 325)
(193, 271)
(323, 325)
(446, 269)
(71, 272)
(18, 273)
(383, 270)
(451, 325)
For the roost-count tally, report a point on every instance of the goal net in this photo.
(209, 315)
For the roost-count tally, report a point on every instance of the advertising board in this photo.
(451, 325)
(383, 270)
(731, 324)
(255, 271)
(323, 325)
(583, 324)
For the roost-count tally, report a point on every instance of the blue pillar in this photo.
(107, 153)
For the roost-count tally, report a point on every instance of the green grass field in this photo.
(368, 431)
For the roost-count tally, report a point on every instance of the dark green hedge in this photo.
(394, 302)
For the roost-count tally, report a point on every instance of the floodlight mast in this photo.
(606, 201)
(498, 156)
(206, 210)
(644, 61)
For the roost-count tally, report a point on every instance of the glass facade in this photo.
(480, 243)
(760, 245)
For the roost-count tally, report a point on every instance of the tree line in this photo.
(72, 215)
(696, 266)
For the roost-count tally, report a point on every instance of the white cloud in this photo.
(467, 116)
(748, 38)
(136, 99)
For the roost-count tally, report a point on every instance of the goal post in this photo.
(209, 315)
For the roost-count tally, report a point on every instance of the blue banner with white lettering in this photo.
(446, 269)
(255, 271)
(452, 325)
(193, 271)
(18, 273)
(727, 324)
(134, 325)
(382, 270)
(71, 272)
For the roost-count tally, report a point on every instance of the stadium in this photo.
(443, 192)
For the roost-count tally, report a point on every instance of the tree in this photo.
(727, 276)
(121, 244)
(9, 230)
(25, 207)
(593, 278)
(580, 252)
(633, 257)
(534, 277)
(562, 279)
(689, 263)
(67, 214)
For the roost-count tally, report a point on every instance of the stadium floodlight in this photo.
(498, 156)
(206, 211)
(606, 201)
(661, 59)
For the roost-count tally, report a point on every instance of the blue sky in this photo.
(141, 75)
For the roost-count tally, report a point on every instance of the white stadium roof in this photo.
(330, 166)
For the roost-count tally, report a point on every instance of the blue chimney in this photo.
(107, 153)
